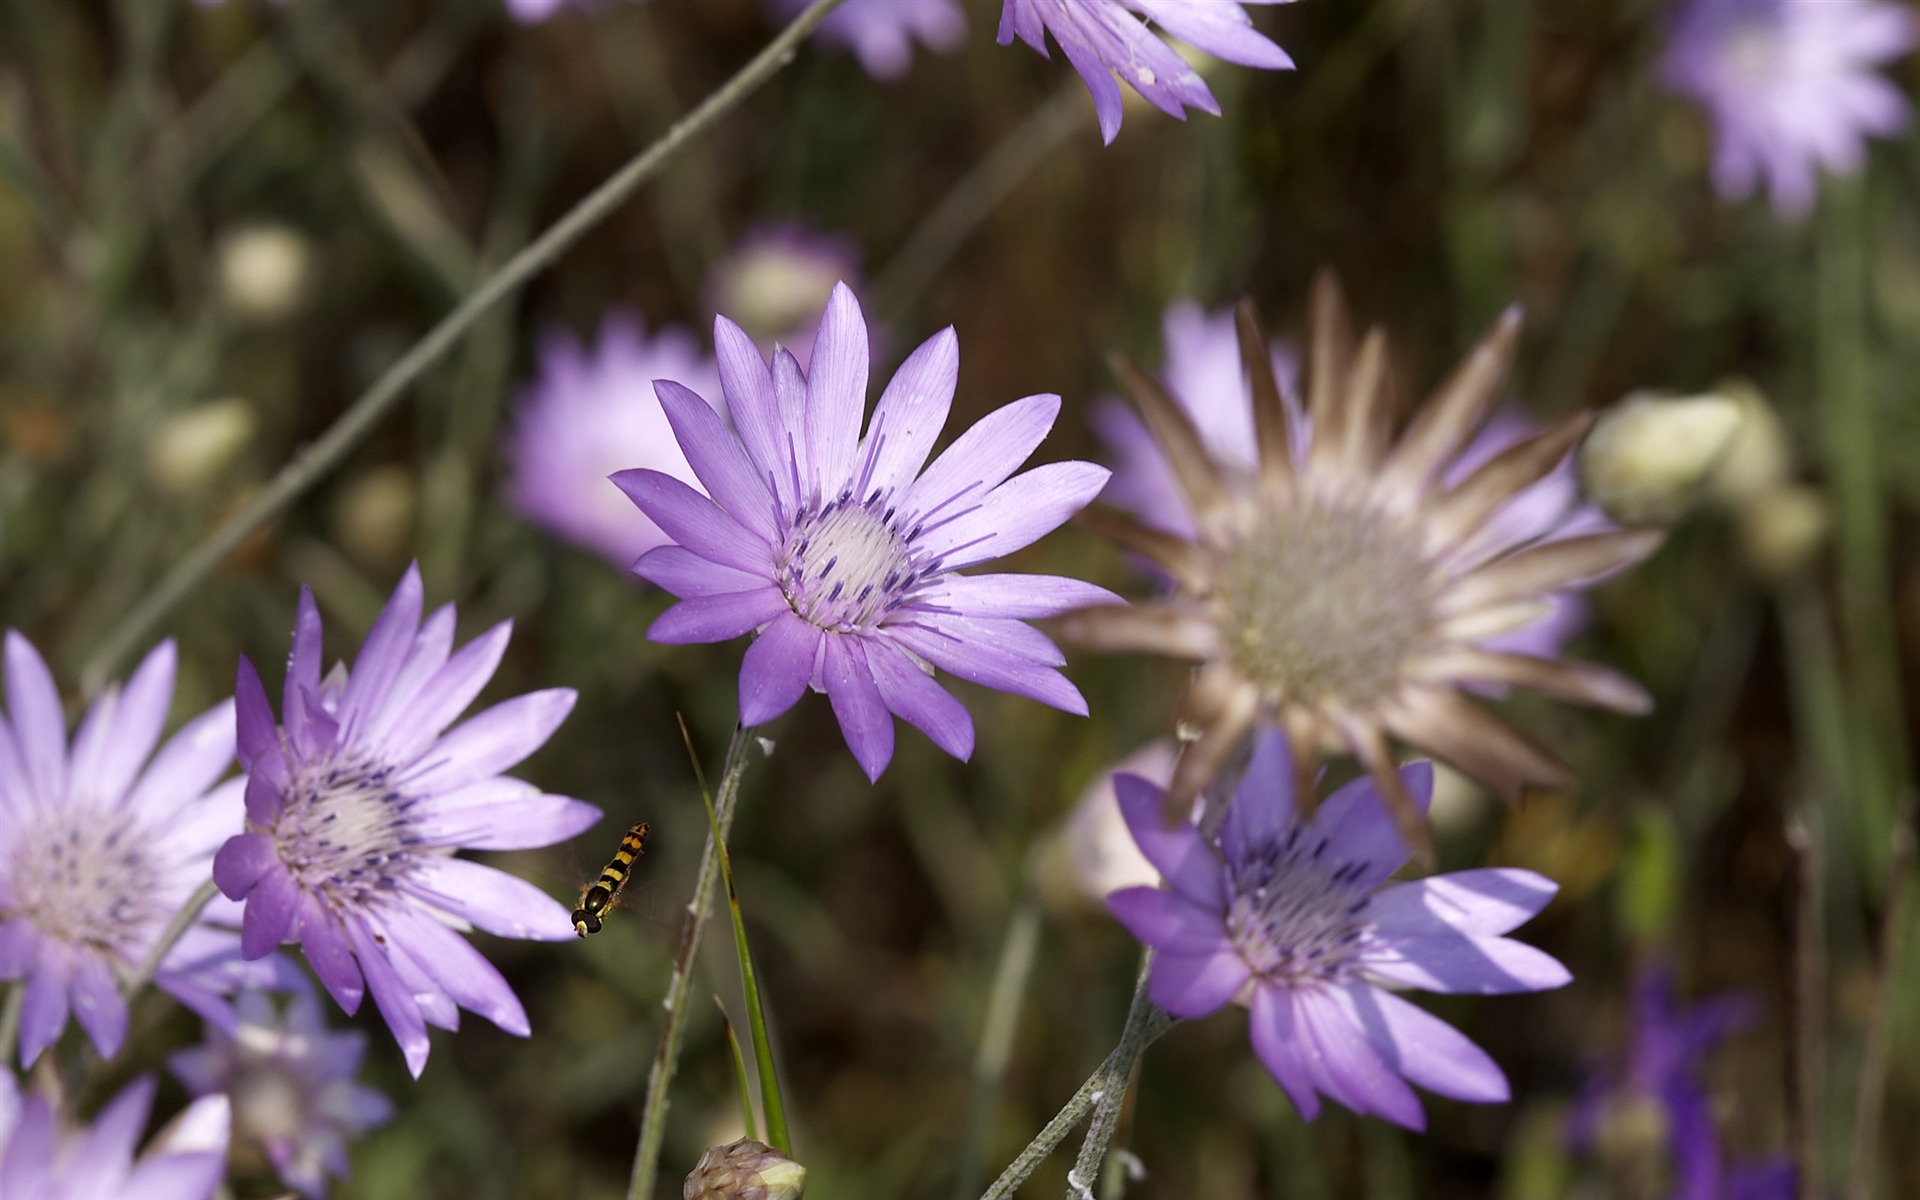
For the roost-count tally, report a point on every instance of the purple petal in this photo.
(719, 618)
(1107, 102)
(39, 725)
(1262, 808)
(913, 696)
(463, 972)
(495, 901)
(1016, 514)
(187, 764)
(1484, 902)
(1166, 921)
(1196, 985)
(749, 390)
(796, 459)
(242, 862)
(110, 1141)
(392, 713)
(863, 716)
(983, 457)
(1015, 596)
(696, 522)
(502, 814)
(98, 1005)
(449, 691)
(685, 574)
(1427, 1050)
(719, 460)
(122, 729)
(328, 950)
(1345, 1059)
(43, 1011)
(393, 999)
(1281, 1045)
(1222, 30)
(270, 909)
(385, 649)
(1456, 963)
(777, 667)
(258, 734)
(1180, 854)
(1355, 823)
(910, 415)
(496, 738)
(263, 800)
(303, 663)
(837, 388)
(991, 666)
(1013, 638)
(19, 947)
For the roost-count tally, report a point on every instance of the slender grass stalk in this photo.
(10, 1021)
(1807, 1089)
(747, 1123)
(171, 935)
(1017, 954)
(770, 1101)
(313, 462)
(1110, 1103)
(1876, 1057)
(1145, 1024)
(653, 1118)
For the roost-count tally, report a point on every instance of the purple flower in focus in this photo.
(1790, 87)
(1105, 38)
(357, 800)
(591, 413)
(43, 1157)
(882, 32)
(775, 281)
(102, 843)
(1661, 1078)
(1297, 922)
(841, 552)
(292, 1083)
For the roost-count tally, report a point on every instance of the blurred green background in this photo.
(1446, 156)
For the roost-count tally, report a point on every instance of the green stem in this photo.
(653, 1119)
(1108, 1105)
(322, 455)
(1145, 1024)
(10, 1021)
(1017, 954)
(175, 930)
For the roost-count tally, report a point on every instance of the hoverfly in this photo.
(601, 896)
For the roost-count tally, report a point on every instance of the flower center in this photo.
(1298, 916)
(85, 878)
(846, 567)
(1323, 602)
(344, 832)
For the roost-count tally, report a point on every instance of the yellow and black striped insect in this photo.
(601, 896)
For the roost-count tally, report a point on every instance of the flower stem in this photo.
(1111, 1100)
(318, 458)
(175, 930)
(653, 1119)
(1017, 955)
(10, 1020)
(1105, 1087)
(1876, 1056)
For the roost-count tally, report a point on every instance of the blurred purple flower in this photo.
(882, 32)
(43, 1157)
(101, 844)
(1790, 87)
(291, 1080)
(591, 413)
(357, 800)
(1663, 1068)
(776, 279)
(1203, 373)
(1105, 38)
(841, 553)
(1296, 921)
(531, 12)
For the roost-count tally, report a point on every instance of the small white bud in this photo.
(1649, 456)
(263, 270)
(373, 518)
(1759, 459)
(193, 447)
(1781, 529)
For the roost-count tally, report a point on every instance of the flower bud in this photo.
(373, 517)
(263, 270)
(1758, 459)
(1781, 529)
(745, 1170)
(193, 447)
(775, 281)
(1649, 456)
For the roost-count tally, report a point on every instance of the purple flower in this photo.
(357, 799)
(291, 1080)
(775, 280)
(882, 32)
(1105, 38)
(530, 12)
(591, 413)
(1296, 921)
(1790, 87)
(44, 1157)
(841, 553)
(1663, 1069)
(101, 844)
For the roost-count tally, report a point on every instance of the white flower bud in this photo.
(745, 1170)
(373, 518)
(1758, 460)
(1781, 529)
(193, 447)
(1649, 456)
(263, 270)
